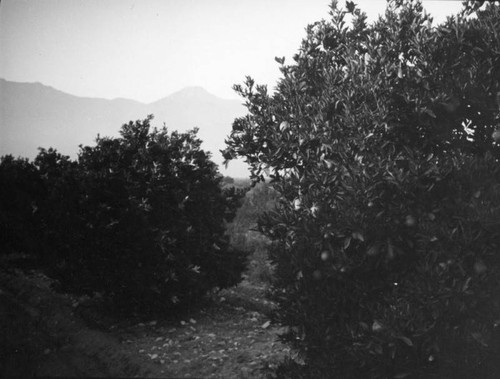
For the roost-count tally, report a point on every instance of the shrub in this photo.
(378, 139)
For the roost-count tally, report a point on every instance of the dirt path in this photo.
(47, 334)
(224, 340)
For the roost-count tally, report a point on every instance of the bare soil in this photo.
(48, 334)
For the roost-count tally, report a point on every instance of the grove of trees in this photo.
(140, 219)
(386, 241)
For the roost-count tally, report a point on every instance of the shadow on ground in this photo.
(49, 334)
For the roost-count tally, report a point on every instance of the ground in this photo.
(50, 334)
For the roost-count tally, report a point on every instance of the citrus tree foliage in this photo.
(140, 219)
(157, 199)
(20, 190)
(379, 140)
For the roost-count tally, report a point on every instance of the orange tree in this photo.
(20, 190)
(379, 140)
(140, 218)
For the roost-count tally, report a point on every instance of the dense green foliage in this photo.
(140, 218)
(386, 242)
(20, 192)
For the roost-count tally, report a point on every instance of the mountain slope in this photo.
(195, 107)
(33, 115)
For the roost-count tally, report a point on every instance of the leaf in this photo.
(401, 375)
(465, 287)
(350, 6)
(347, 242)
(358, 236)
(329, 163)
(400, 72)
(406, 340)
(478, 337)
(284, 126)
(430, 112)
(390, 249)
(480, 267)
(372, 251)
(377, 326)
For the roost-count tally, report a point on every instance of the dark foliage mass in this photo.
(386, 242)
(140, 218)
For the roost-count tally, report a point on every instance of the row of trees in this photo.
(139, 218)
(386, 241)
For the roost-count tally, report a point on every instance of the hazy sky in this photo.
(148, 49)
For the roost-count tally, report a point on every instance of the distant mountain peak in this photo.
(190, 94)
(192, 91)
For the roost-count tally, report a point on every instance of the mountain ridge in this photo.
(35, 115)
(187, 89)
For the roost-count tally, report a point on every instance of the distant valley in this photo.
(33, 115)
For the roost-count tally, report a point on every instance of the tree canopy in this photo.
(378, 138)
(140, 218)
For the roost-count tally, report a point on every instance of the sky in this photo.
(147, 49)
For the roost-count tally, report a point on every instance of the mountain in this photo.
(34, 115)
